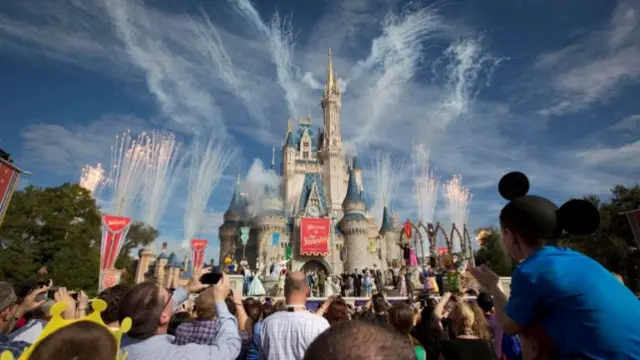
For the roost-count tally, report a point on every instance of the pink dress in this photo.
(413, 259)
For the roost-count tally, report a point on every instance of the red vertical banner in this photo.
(114, 232)
(407, 229)
(314, 236)
(9, 176)
(198, 248)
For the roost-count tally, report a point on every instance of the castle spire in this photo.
(238, 177)
(330, 84)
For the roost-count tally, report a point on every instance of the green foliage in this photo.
(493, 254)
(59, 227)
(612, 244)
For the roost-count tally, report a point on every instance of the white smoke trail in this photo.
(395, 56)
(255, 185)
(208, 162)
(467, 61)
(387, 174)
(425, 184)
(93, 179)
(163, 163)
(458, 199)
(127, 173)
(279, 35)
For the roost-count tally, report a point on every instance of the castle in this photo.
(319, 211)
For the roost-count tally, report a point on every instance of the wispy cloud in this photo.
(596, 67)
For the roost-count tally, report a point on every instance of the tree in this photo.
(60, 227)
(493, 254)
(612, 244)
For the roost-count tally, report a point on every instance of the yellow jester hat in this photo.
(57, 322)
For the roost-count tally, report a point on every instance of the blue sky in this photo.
(548, 88)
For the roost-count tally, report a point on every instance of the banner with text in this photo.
(114, 231)
(198, 248)
(9, 177)
(314, 236)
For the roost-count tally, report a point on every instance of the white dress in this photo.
(328, 289)
(256, 288)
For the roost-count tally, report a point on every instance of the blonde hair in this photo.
(469, 317)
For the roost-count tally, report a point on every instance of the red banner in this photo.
(314, 236)
(9, 176)
(407, 229)
(114, 231)
(198, 248)
(109, 278)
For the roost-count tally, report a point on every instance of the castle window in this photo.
(305, 155)
(305, 144)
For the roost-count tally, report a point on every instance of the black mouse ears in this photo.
(578, 217)
(513, 185)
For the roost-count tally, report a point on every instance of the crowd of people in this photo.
(562, 305)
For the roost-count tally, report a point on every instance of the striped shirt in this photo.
(287, 335)
(163, 347)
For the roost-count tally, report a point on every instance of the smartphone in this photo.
(211, 278)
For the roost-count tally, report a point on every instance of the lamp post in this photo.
(244, 239)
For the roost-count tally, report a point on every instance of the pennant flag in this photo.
(634, 222)
(9, 176)
(407, 229)
(287, 253)
(198, 248)
(114, 231)
(275, 239)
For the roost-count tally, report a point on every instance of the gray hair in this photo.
(8, 296)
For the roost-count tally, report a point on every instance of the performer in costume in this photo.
(406, 252)
(413, 259)
(247, 277)
(281, 280)
(256, 288)
(402, 282)
(579, 316)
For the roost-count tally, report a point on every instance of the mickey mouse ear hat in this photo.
(539, 217)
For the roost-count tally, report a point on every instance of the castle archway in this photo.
(315, 265)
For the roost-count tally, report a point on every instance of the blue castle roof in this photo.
(309, 180)
(386, 221)
(352, 188)
(289, 141)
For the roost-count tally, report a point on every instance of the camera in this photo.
(212, 277)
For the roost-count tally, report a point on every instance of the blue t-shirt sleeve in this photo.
(523, 299)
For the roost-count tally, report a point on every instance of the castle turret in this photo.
(288, 162)
(271, 219)
(354, 227)
(228, 231)
(389, 236)
(145, 258)
(161, 262)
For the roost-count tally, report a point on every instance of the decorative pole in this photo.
(244, 239)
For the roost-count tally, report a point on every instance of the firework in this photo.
(387, 174)
(208, 162)
(457, 199)
(126, 177)
(93, 179)
(425, 188)
(161, 164)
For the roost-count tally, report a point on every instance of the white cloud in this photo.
(65, 149)
(629, 123)
(607, 157)
(596, 67)
(202, 75)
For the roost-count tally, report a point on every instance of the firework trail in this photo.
(208, 162)
(93, 179)
(425, 186)
(162, 163)
(457, 199)
(387, 174)
(126, 177)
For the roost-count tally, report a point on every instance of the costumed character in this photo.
(336, 285)
(256, 288)
(234, 267)
(227, 262)
(406, 252)
(413, 259)
(246, 281)
(402, 282)
(328, 288)
(368, 281)
(281, 280)
(58, 323)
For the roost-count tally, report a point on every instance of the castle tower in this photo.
(389, 236)
(332, 154)
(228, 231)
(288, 164)
(354, 227)
(145, 258)
(161, 262)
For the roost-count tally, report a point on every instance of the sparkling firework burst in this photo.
(425, 187)
(128, 157)
(162, 162)
(387, 174)
(93, 179)
(458, 199)
(208, 162)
